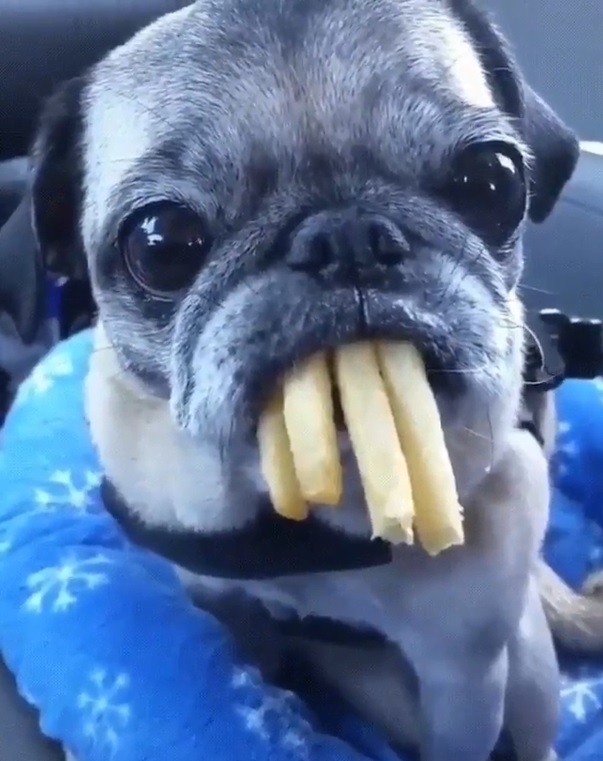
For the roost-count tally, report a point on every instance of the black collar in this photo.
(268, 547)
(532, 427)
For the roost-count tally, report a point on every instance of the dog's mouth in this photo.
(439, 376)
(297, 331)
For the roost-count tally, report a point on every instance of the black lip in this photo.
(437, 354)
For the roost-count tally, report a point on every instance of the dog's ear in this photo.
(42, 235)
(555, 149)
(56, 194)
(554, 145)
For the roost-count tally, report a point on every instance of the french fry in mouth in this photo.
(277, 462)
(374, 438)
(309, 418)
(438, 515)
(395, 431)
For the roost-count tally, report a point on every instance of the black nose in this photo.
(346, 242)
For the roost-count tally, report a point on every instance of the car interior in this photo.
(559, 44)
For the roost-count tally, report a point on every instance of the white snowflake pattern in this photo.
(595, 556)
(566, 448)
(105, 712)
(5, 545)
(58, 586)
(65, 493)
(44, 375)
(581, 696)
(563, 429)
(598, 384)
(266, 710)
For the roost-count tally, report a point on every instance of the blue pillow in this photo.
(100, 634)
(104, 642)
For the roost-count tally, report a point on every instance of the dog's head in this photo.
(254, 181)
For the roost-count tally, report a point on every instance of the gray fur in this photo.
(248, 112)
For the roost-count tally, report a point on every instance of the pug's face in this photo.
(255, 182)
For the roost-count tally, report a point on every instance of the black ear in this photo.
(555, 148)
(42, 235)
(22, 277)
(56, 194)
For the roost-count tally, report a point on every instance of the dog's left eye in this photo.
(164, 246)
(487, 188)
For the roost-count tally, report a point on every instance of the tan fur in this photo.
(575, 617)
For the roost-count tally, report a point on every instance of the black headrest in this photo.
(21, 273)
(43, 42)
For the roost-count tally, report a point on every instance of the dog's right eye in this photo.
(164, 246)
(487, 187)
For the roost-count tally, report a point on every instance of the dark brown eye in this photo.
(487, 188)
(164, 246)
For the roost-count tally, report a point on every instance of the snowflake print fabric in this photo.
(101, 636)
(105, 643)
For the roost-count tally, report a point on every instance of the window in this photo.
(559, 44)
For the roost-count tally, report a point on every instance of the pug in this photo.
(246, 183)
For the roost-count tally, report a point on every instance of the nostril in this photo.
(310, 252)
(386, 248)
(320, 250)
(346, 243)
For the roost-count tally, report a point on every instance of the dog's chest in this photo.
(353, 597)
(456, 591)
(461, 588)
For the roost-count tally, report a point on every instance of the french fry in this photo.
(394, 428)
(277, 462)
(308, 411)
(438, 514)
(374, 438)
